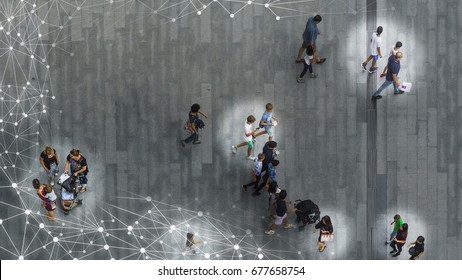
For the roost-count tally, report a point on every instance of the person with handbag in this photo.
(326, 232)
(193, 124)
(417, 248)
(399, 240)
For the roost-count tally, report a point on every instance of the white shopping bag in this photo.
(406, 87)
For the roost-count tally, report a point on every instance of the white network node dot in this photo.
(199, 13)
(260, 256)
(266, 5)
(106, 247)
(236, 247)
(142, 250)
(100, 229)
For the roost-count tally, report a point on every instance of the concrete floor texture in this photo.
(124, 74)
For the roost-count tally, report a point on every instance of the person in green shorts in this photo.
(249, 135)
(398, 224)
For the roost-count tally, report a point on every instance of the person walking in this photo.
(307, 65)
(376, 43)
(193, 124)
(256, 174)
(393, 51)
(281, 214)
(269, 177)
(191, 244)
(47, 195)
(49, 161)
(392, 76)
(309, 39)
(399, 241)
(417, 248)
(326, 231)
(268, 122)
(273, 191)
(249, 133)
(398, 223)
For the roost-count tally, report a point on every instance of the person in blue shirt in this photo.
(309, 39)
(392, 76)
(268, 121)
(269, 177)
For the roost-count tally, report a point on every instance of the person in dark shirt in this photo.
(269, 150)
(325, 227)
(281, 213)
(78, 168)
(399, 240)
(394, 65)
(309, 39)
(417, 248)
(49, 161)
(191, 125)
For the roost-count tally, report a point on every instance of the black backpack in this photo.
(307, 212)
(68, 185)
(199, 123)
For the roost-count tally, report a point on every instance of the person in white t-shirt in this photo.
(393, 51)
(376, 43)
(249, 134)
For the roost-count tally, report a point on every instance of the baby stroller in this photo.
(69, 186)
(307, 212)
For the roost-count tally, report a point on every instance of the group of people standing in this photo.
(398, 239)
(76, 166)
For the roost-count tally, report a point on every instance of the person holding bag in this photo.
(326, 232)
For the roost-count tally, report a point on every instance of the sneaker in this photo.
(321, 61)
(400, 92)
(313, 75)
(395, 255)
(382, 75)
(244, 187)
(376, 97)
(80, 202)
(289, 226)
(269, 232)
(393, 251)
(387, 242)
(251, 158)
(183, 143)
(197, 142)
(234, 149)
(195, 253)
(363, 65)
(373, 70)
(300, 80)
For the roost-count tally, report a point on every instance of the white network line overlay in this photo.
(29, 31)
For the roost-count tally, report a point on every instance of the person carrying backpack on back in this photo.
(193, 124)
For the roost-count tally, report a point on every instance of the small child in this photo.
(376, 43)
(267, 122)
(256, 174)
(397, 225)
(248, 138)
(190, 242)
(307, 65)
(393, 51)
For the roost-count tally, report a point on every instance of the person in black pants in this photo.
(417, 248)
(307, 65)
(399, 241)
(325, 227)
(256, 173)
(269, 150)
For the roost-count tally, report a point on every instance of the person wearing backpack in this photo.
(78, 168)
(417, 248)
(193, 124)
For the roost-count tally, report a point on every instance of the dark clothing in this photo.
(323, 227)
(269, 156)
(47, 161)
(77, 165)
(281, 207)
(192, 120)
(393, 68)
(418, 248)
(193, 137)
(305, 68)
(397, 247)
(255, 184)
(263, 183)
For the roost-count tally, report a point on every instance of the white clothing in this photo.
(308, 59)
(393, 52)
(51, 196)
(248, 129)
(376, 42)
